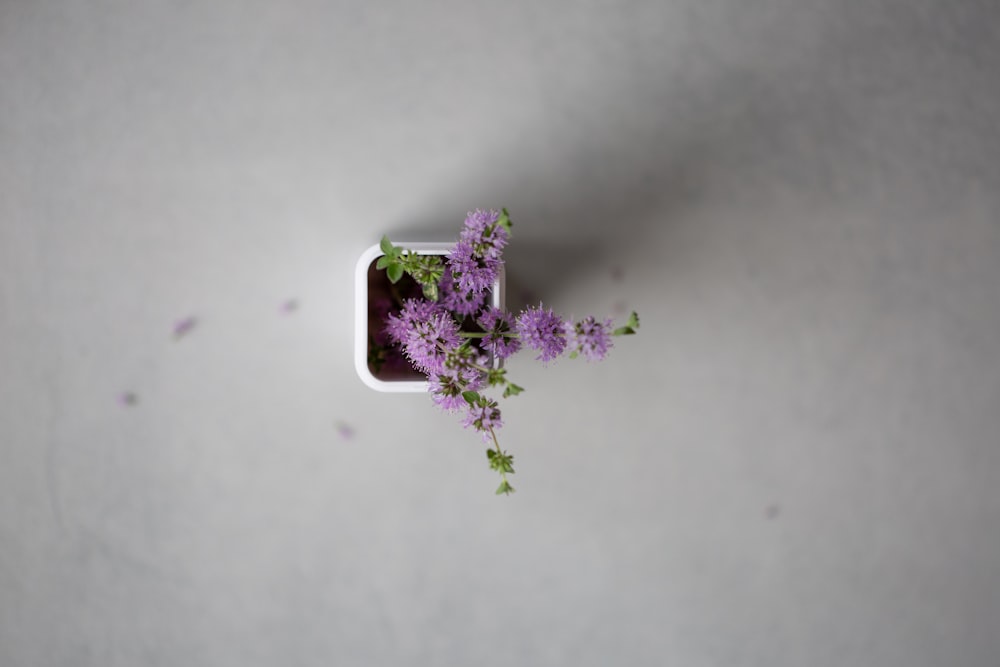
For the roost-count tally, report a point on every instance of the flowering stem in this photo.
(496, 444)
(505, 486)
(467, 362)
(484, 334)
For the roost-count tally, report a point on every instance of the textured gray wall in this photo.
(795, 463)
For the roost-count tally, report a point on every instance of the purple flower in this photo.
(426, 331)
(447, 386)
(472, 271)
(483, 234)
(495, 323)
(483, 417)
(591, 338)
(542, 330)
(457, 301)
(475, 260)
(399, 327)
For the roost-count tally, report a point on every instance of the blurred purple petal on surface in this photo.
(185, 326)
(344, 430)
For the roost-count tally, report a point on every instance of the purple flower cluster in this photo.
(495, 324)
(426, 332)
(472, 272)
(430, 338)
(447, 386)
(459, 302)
(474, 263)
(543, 331)
(591, 338)
(482, 233)
(484, 417)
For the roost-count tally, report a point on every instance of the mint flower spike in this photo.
(498, 339)
(426, 332)
(483, 415)
(472, 271)
(486, 232)
(457, 301)
(591, 338)
(543, 331)
(476, 260)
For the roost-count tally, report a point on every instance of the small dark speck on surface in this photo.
(772, 511)
(620, 307)
(184, 327)
(344, 430)
(127, 399)
(290, 306)
(617, 274)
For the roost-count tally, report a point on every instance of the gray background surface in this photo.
(795, 463)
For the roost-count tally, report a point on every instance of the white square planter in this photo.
(363, 320)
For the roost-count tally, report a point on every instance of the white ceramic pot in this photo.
(367, 280)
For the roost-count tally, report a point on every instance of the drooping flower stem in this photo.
(503, 463)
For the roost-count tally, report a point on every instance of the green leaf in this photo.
(504, 220)
(431, 291)
(395, 272)
(512, 390)
(630, 326)
(387, 247)
(505, 489)
(383, 262)
(501, 462)
(507, 463)
(471, 397)
(574, 354)
(495, 376)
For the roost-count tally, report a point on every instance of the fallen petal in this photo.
(185, 326)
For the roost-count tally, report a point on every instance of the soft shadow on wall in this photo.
(622, 173)
(577, 192)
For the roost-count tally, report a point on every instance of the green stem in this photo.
(484, 334)
(395, 295)
(503, 474)
(472, 364)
